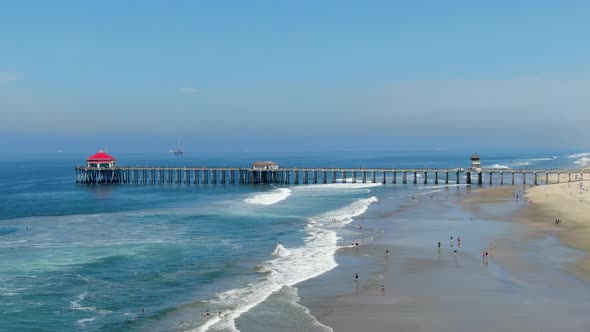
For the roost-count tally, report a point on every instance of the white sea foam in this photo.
(583, 162)
(281, 251)
(85, 320)
(521, 163)
(543, 159)
(315, 257)
(580, 155)
(500, 166)
(269, 198)
(75, 305)
(338, 186)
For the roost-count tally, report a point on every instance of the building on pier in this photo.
(101, 160)
(265, 166)
(475, 163)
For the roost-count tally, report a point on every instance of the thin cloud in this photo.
(6, 78)
(188, 91)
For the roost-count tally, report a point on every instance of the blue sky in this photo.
(289, 74)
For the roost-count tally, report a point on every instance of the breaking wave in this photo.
(289, 266)
(269, 198)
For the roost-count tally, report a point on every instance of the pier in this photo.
(236, 175)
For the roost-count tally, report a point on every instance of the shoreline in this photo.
(570, 203)
(427, 289)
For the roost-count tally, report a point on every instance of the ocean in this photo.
(148, 257)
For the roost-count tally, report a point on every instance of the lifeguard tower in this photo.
(475, 163)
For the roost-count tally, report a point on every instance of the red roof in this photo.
(101, 156)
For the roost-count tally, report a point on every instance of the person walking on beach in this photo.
(438, 244)
(451, 240)
(356, 277)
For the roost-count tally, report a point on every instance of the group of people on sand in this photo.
(451, 239)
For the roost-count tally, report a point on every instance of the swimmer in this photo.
(386, 252)
(207, 314)
(356, 277)
(438, 244)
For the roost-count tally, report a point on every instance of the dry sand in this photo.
(569, 202)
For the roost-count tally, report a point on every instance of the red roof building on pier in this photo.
(101, 160)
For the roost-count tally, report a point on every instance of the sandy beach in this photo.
(425, 288)
(570, 203)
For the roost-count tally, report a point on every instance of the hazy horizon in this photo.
(262, 75)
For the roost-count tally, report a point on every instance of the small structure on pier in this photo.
(475, 162)
(265, 166)
(101, 160)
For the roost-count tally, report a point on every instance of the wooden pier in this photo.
(230, 175)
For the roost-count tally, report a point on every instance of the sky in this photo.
(301, 75)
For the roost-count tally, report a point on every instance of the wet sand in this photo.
(522, 286)
(569, 202)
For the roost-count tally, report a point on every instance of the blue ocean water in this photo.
(157, 257)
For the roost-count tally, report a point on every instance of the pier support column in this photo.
(404, 177)
(501, 178)
(569, 177)
(425, 177)
(315, 177)
(384, 178)
(343, 176)
(334, 176)
(435, 177)
(364, 177)
(458, 178)
(296, 173)
(491, 178)
(479, 178)
(468, 177)
(446, 177)
(354, 177)
(394, 177)
(374, 179)
(325, 177)
(415, 177)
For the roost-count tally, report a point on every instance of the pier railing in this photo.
(323, 175)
